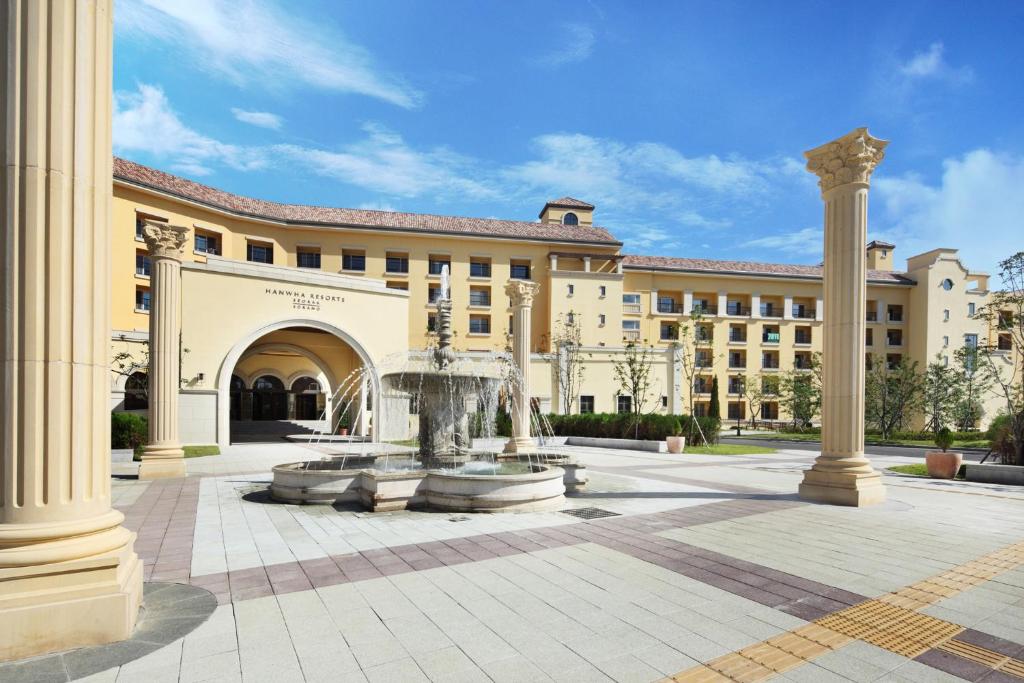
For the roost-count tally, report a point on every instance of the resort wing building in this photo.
(281, 305)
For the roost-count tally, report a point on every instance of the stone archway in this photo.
(242, 346)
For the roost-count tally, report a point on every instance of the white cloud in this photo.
(383, 162)
(575, 43)
(930, 64)
(144, 121)
(976, 208)
(256, 42)
(806, 242)
(263, 119)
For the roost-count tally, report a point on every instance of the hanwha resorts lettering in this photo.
(303, 300)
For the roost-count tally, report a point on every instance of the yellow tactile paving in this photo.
(891, 622)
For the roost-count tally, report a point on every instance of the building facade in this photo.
(281, 305)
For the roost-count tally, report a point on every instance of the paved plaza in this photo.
(703, 568)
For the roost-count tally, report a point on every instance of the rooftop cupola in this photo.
(567, 211)
(880, 255)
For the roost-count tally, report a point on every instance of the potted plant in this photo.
(677, 442)
(943, 464)
(343, 425)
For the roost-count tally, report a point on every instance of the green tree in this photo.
(569, 359)
(800, 392)
(941, 391)
(633, 374)
(715, 410)
(1004, 357)
(974, 380)
(892, 395)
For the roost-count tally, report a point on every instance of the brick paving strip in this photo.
(890, 622)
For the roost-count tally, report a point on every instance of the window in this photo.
(666, 304)
(602, 291)
(394, 284)
(894, 337)
(436, 263)
(735, 385)
(970, 309)
(570, 319)
(736, 411)
(353, 260)
(432, 294)
(259, 253)
(631, 325)
(206, 243)
(479, 297)
(768, 310)
(971, 341)
(136, 396)
(479, 268)
(520, 271)
(586, 404)
(600, 319)
(700, 409)
(945, 315)
(570, 219)
(140, 221)
(431, 323)
(396, 263)
(631, 299)
(895, 314)
(624, 404)
(664, 401)
(142, 264)
(669, 332)
(572, 289)
(869, 339)
(308, 258)
(142, 299)
(479, 324)
(947, 284)
(945, 361)
(945, 340)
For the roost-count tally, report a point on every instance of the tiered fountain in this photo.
(445, 473)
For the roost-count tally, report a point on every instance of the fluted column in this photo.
(521, 292)
(68, 573)
(163, 456)
(841, 474)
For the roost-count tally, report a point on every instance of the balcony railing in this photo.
(704, 339)
(631, 335)
(630, 308)
(739, 339)
(872, 316)
(770, 364)
(737, 310)
(771, 312)
(804, 313)
(895, 316)
(669, 307)
(802, 339)
(704, 310)
(770, 337)
(1004, 344)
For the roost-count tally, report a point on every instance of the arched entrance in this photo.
(298, 370)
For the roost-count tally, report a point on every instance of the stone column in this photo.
(163, 456)
(841, 474)
(521, 292)
(68, 573)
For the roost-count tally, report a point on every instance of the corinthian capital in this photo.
(165, 240)
(521, 292)
(850, 159)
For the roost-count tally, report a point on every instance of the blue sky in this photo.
(683, 122)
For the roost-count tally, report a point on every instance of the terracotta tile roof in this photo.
(570, 202)
(300, 214)
(635, 262)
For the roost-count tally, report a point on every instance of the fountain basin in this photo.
(536, 487)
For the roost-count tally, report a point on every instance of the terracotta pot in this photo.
(943, 464)
(343, 431)
(676, 444)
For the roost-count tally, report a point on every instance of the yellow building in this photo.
(281, 303)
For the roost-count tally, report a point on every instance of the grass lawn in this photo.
(926, 443)
(918, 469)
(190, 452)
(728, 449)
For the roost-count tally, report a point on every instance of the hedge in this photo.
(128, 430)
(625, 426)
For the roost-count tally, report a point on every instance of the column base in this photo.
(162, 462)
(63, 605)
(520, 444)
(856, 489)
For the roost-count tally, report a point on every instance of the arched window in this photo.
(136, 395)
(570, 219)
(303, 384)
(237, 383)
(268, 383)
